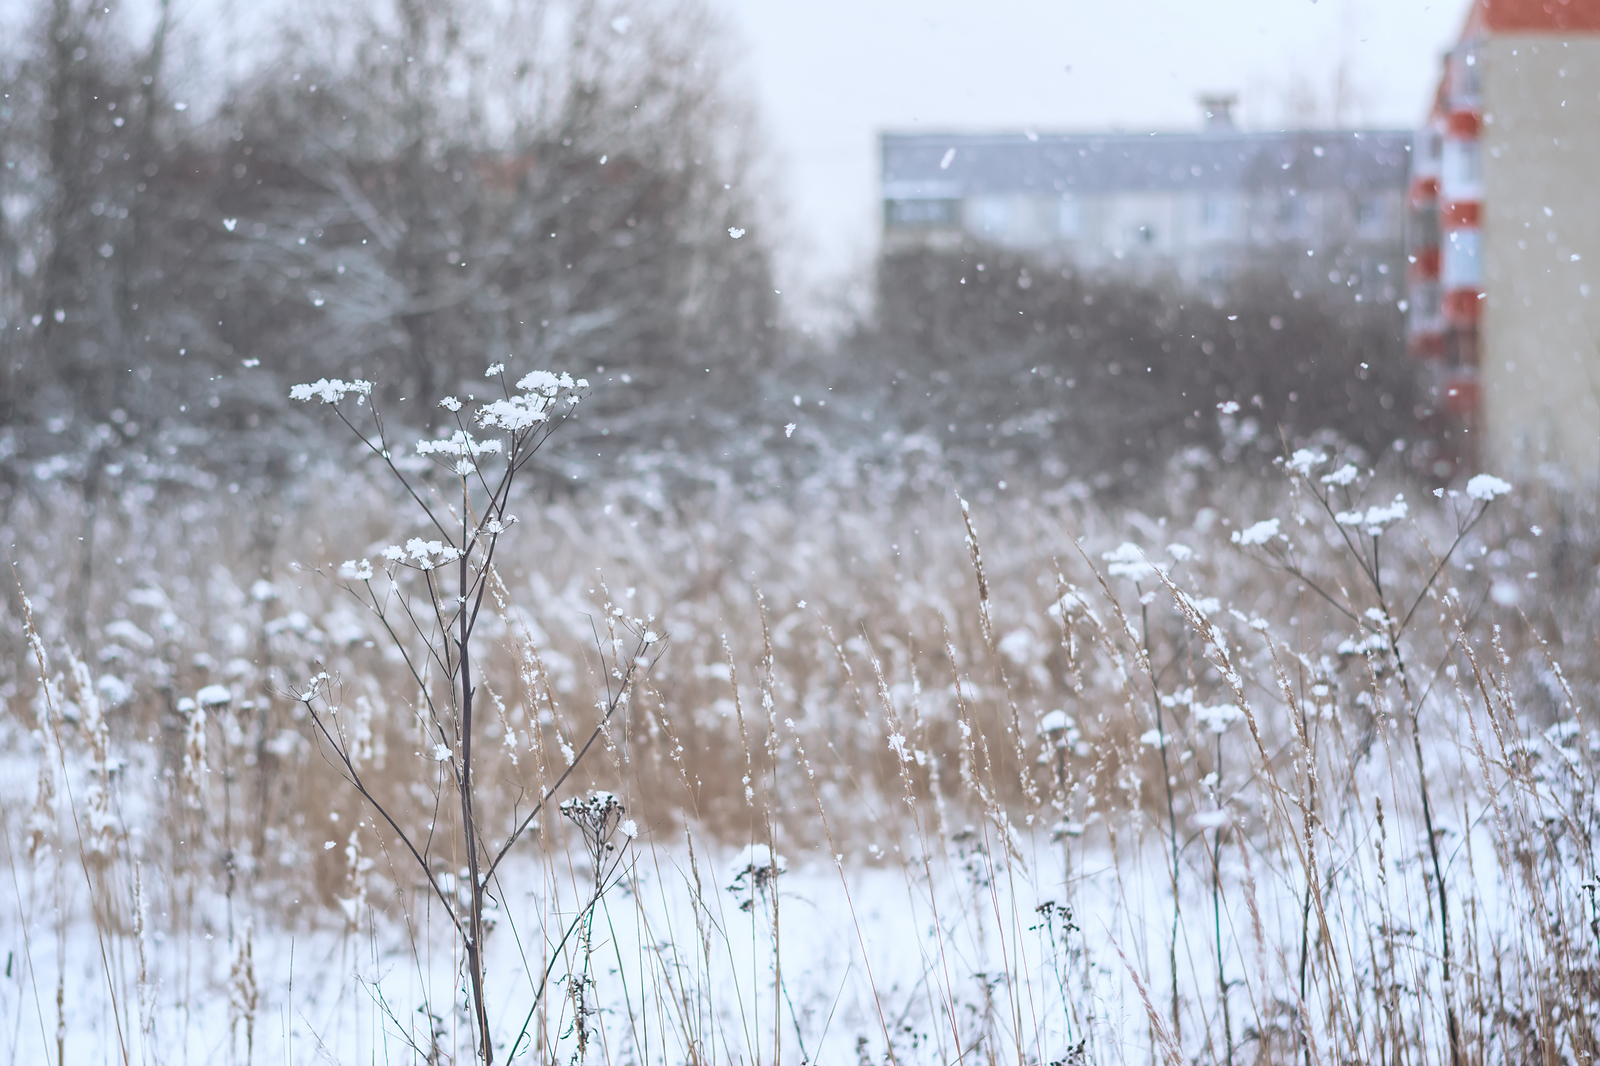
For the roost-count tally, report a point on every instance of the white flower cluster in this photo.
(1306, 460)
(1486, 487)
(1128, 561)
(540, 390)
(1260, 533)
(351, 570)
(1342, 476)
(1217, 717)
(458, 443)
(1374, 518)
(424, 554)
(330, 391)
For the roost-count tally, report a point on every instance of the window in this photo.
(1459, 266)
(990, 217)
(1461, 169)
(910, 214)
(1069, 218)
(1372, 215)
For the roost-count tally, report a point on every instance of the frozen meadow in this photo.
(1291, 767)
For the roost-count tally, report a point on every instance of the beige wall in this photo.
(1540, 354)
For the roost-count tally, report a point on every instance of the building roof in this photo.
(953, 166)
(1533, 16)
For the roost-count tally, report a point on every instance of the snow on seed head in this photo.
(1306, 460)
(356, 571)
(329, 390)
(1127, 561)
(1486, 487)
(1259, 533)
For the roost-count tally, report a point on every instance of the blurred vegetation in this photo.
(410, 190)
(1016, 365)
(405, 191)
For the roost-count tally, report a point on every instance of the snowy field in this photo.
(1261, 770)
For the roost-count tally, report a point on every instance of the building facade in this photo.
(1197, 208)
(1505, 234)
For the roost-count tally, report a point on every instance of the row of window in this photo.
(998, 217)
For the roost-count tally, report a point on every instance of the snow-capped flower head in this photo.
(1055, 722)
(1342, 476)
(1486, 487)
(545, 383)
(1219, 717)
(516, 413)
(460, 443)
(598, 816)
(427, 554)
(755, 868)
(351, 570)
(451, 404)
(1128, 561)
(1259, 533)
(1374, 518)
(330, 391)
(541, 390)
(495, 369)
(212, 695)
(1180, 553)
(1306, 460)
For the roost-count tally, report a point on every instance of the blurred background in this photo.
(1033, 247)
(1048, 239)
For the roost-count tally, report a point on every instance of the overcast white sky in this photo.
(829, 75)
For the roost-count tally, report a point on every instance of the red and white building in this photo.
(1504, 247)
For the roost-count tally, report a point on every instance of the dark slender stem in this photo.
(1172, 816)
(354, 777)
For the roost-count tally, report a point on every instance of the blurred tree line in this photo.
(405, 190)
(409, 190)
(1013, 364)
